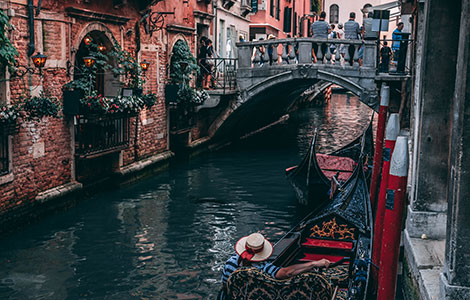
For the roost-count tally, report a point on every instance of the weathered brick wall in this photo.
(42, 152)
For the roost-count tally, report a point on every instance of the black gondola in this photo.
(340, 231)
(317, 174)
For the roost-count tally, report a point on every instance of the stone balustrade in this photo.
(268, 53)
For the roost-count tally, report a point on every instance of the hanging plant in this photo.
(8, 52)
(41, 106)
(9, 114)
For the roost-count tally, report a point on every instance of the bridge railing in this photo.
(223, 73)
(333, 52)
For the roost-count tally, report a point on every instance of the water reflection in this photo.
(168, 237)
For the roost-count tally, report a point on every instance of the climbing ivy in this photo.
(183, 67)
(8, 52)
(183, 64)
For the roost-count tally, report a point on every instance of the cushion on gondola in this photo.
(253, 284)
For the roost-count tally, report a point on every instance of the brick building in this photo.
(46, 159)
(283, 17)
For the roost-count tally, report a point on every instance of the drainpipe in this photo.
(31, 47)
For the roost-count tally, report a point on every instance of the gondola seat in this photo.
(253, 284)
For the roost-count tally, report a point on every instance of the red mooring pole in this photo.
(394, 207)
(379, 142)
(391, 133)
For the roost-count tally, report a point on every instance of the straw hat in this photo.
(254, 247)
(271, 36)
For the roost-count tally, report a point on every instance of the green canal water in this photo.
(168, 236)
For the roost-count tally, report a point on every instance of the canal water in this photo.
(168, 236)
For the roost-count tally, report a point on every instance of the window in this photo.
(334, 14)
(271, 7)
(4, 153)
(278, 10)
(4, 130)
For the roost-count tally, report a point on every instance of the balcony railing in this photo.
(99, 135)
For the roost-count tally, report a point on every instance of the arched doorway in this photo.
(103, 81)
(99, 138)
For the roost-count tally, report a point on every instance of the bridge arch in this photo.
(286, 86)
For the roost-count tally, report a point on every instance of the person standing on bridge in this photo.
(320, 30)
(352, 31)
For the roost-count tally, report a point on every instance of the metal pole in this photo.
(384, 100)
(394, 209)
(391, 134)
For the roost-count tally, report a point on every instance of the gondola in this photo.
(318, 174)
(340, 231)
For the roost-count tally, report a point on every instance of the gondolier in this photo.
(253, 250)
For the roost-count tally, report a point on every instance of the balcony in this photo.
(227, 4)
(99, 135)
(245, 8)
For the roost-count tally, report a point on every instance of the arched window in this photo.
(334, 14)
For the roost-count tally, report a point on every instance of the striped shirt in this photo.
(232, 264)
(320, 29)
(351, 30)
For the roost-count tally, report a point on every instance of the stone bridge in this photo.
(271, 73)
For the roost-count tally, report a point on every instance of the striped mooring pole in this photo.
(379, 142)
(391, 134)
(394, 209)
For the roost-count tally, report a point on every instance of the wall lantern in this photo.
(101, 48)
(144, 65)
(87, 40)
(39, 60)
(89, 61)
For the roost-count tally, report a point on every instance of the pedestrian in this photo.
(210, 63)
(332, 35)
(271, 49)
(352, 31)
(396, 37)
(253, 250)
(201, 60)
(385, 54)
(258, 50)
(369, 35)
(319, 30)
